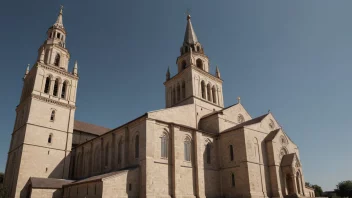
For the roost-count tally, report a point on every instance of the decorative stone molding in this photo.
(57, 70)
(48, 100)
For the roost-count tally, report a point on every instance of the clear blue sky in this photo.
(292, 57)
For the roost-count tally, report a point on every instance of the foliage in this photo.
(3, 191)
(344, 189)
(317, 190)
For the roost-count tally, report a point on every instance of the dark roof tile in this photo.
(89, 128)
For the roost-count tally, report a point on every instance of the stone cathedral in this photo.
(195, 147)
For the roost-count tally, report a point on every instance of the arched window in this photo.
(56, 87)
(57, 60)
(52, 116)
(193, 48)
(183, 90)
(187, 149)
(106, 155)
(64, 90)
(213, 90)
(184, 64)
(231, 152)
(208, 151)
(164, 146)
(233, 180)
(199, 63)
(119, 156)
(178, 92)
(50, 138)
(203, 89)
(174, 95)
(47, 85)
(209, 92)
(198, 48)
(136, 147)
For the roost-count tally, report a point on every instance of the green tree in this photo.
(344, 189)
(317, 190)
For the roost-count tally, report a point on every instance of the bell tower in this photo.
(193, 84)
(42, 135)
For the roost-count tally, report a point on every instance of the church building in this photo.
(193, 148)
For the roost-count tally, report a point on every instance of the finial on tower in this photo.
(27, 71)
(217, 72)
(61, 8)
(168, 73)
(75, 69)
(188, 13)
(239, 100)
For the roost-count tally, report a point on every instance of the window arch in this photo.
(209, 92)
(52, 116)
(208, 152)
(233, 182)
(136, 146)
(56, 87)
(187, 149)
(107, 155)
(64, 90)
(164, 145)
(213, 91)
(203, 89)
(199, 63)
(50, 138)
(183, 90)
(198, 48)
(231, 152)
(178, 92)
(47, 85)
(184, 64)
(57, 60)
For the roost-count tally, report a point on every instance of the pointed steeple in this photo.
(59, 23)
(217, 72)
(168, 73)
(75, 69)
(190, 35)
(26, 73)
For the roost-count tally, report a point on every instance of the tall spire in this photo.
(59, 22)
(190, 35)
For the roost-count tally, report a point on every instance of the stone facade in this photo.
(193, 148)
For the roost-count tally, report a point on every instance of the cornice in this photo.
(57, 70)
(48, 100)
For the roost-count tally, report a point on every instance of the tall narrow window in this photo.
(214, 94)
(209, 92)
(178, 92)
(119, 156)
(52, 116)
(231, 152)
(203, 89)
(56, 87)
(164, 146)
(208, 151)
(174, 95)
(183, 90)
(64, 90)
(187, 149)
(184, 64)
(136, 147)
(199, 63)
(47, 85)
(233, 180)
(50, 138)
(198, 49)
(106, 155)
(57, 60)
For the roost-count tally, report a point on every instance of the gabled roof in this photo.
(219, 111)
(89, 128)
(48, 183)
(287, 160)
(247, 123)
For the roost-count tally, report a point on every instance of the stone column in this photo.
(205, 91)
(293, 177)
(52, 83)
(59, 91)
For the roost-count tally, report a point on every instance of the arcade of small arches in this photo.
(199, 64)
(178, 92)
(197, 48)
(209, 92)
(55, 87)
